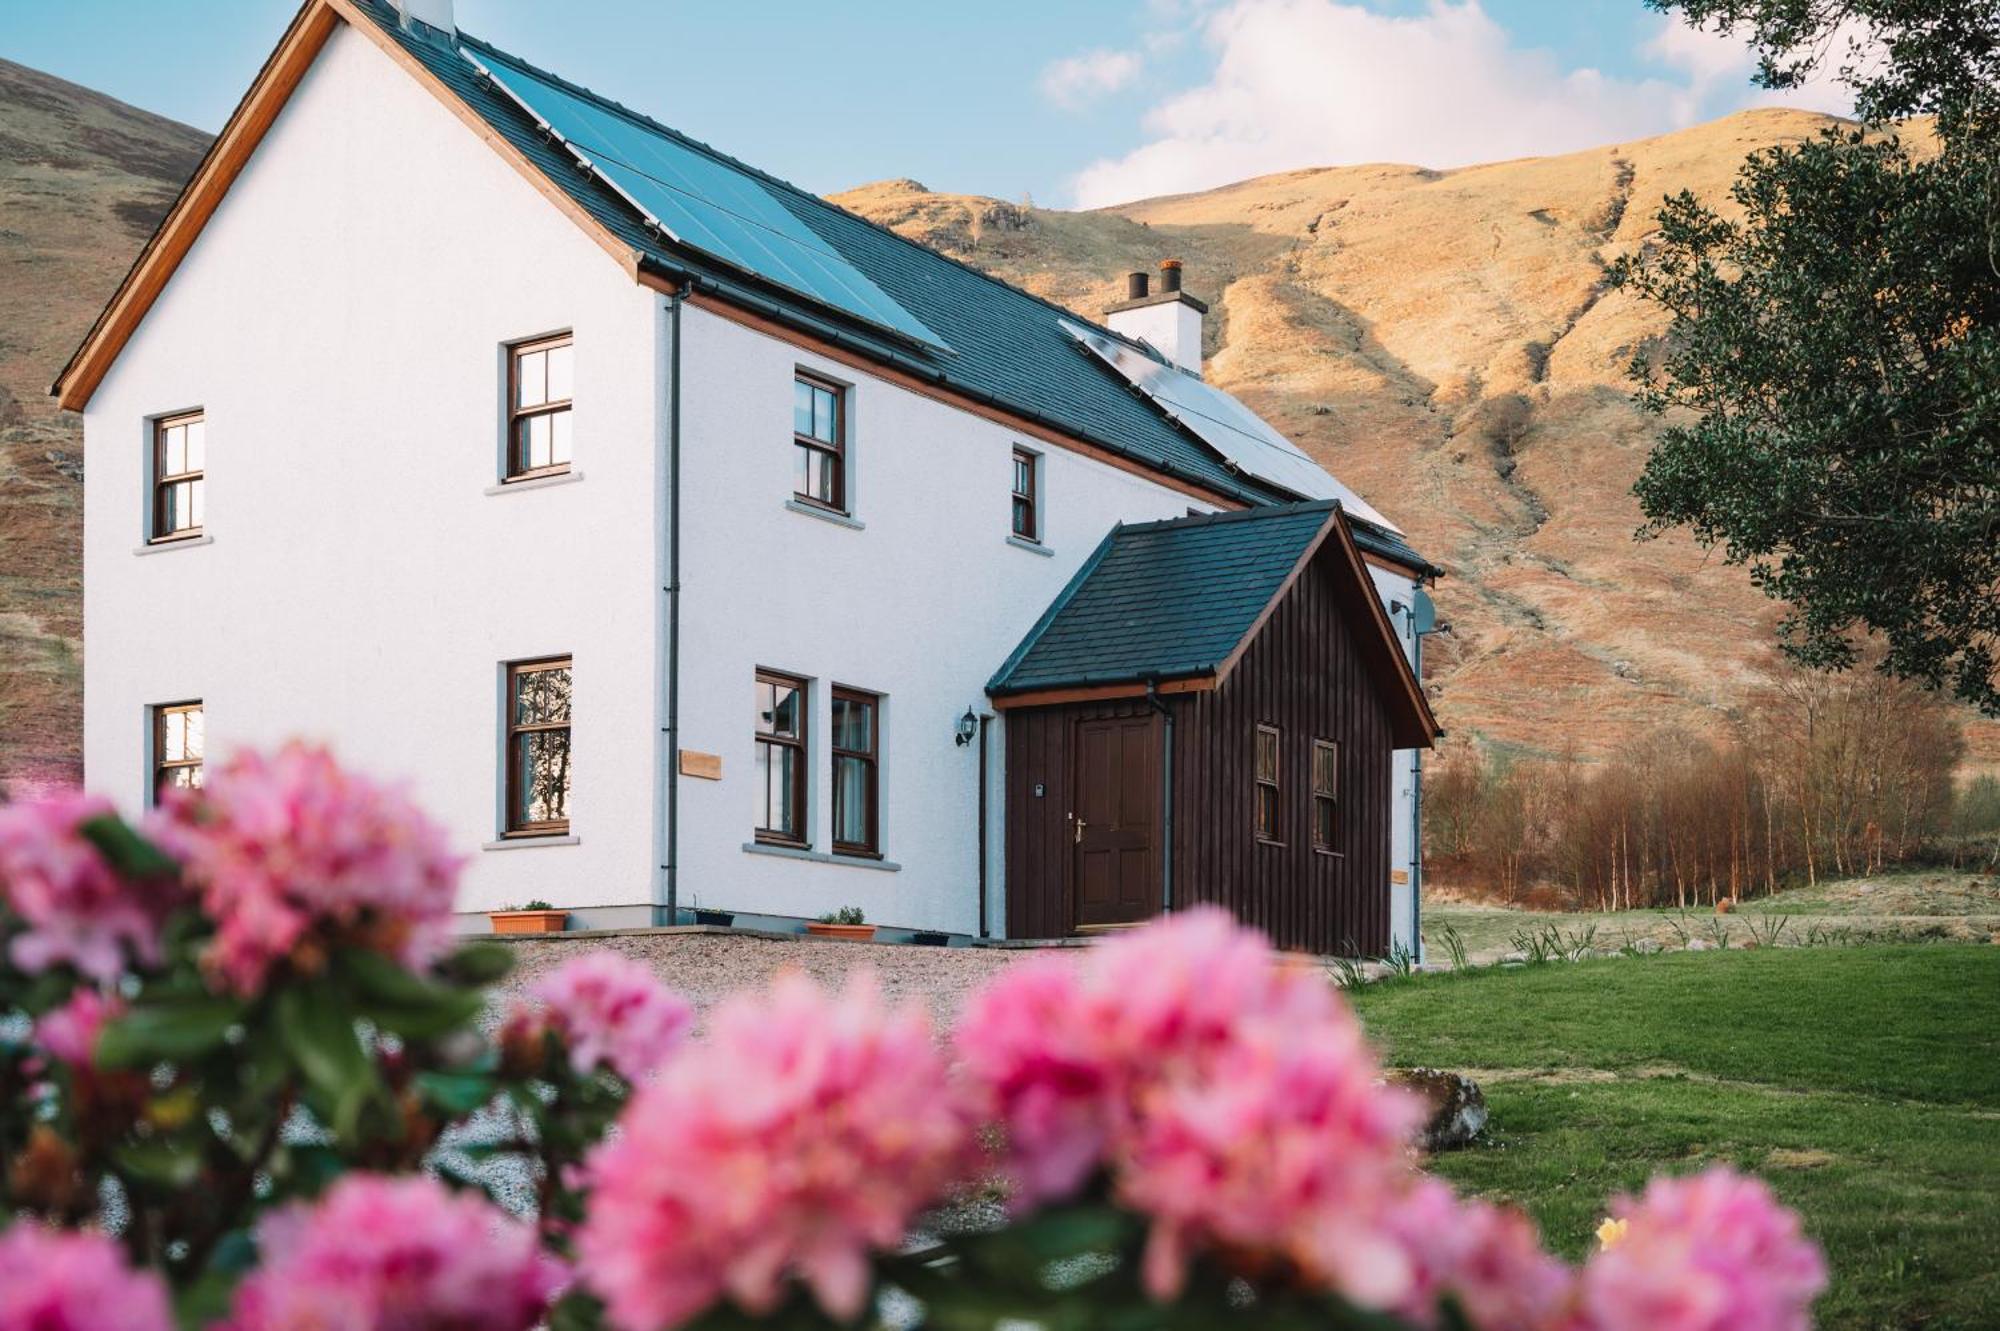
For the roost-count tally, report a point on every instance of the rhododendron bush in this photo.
(248, 1082)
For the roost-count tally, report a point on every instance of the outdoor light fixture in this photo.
(968, 726)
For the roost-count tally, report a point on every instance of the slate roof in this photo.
(1164, 600)
(1007, 346)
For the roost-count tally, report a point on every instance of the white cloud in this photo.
(1718, 67)
(1076, 81)
(1300, 83)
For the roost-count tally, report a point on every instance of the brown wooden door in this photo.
(1115, 824)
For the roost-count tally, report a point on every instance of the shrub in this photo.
(239, 1062)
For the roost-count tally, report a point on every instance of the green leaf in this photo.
(399, 1001)
(125, 850)
(456, 1092)
(160, 1163)
(478, 964)
(167, 1031)
(318, 1026)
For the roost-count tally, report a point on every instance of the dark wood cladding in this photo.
(1305, 675)
(1302, 673)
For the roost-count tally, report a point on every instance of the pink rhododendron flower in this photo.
(76, 907)
(1489, 1258)
(52, 1280)
(806, 1130)
(288, 845)
(1233, 1099)
(70, 1032)
(407, 1253)
(610, 1011)
(1714, 1252)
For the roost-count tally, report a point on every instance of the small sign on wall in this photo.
(707, 766)
(1395, 875)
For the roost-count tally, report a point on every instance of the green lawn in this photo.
(1862, 1082)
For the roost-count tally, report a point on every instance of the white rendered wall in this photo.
(922, 606)
(340, 321)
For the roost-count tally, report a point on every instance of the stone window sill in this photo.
(1032, 547)
(826, 515)
(178, 543)
(535, 483)
(820, 857)
(531, 842)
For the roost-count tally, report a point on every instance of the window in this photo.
(179, 446)
(856, 737)
(538, 755)
(820, 436)
(177, 747)
(1027, 495)
(781, 758)
(1326, 795)
(538, 403)
(1269, 825)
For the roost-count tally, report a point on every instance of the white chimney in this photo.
(437, 13)
(1169, 319)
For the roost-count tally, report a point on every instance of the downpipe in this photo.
(1154, 701)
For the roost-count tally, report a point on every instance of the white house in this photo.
(675, 533)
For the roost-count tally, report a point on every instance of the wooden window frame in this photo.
(836, 448)
(515, 729)
(161, 764)
(1030, 499)
(871, 760)
(513, 467)
(1330, 797)
(1275, 836)
(163, 480)
(801, 762)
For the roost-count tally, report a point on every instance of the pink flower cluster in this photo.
(77, 909)
(804, 1132)
(610, 1012)
(1489, 1258)
(285, 846)
(52, 1280)
(70, 1032)
(395, 1252)
(1713, 1252)
(1233, 1099)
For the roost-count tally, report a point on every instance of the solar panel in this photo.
(1240, 435)
(701, 203)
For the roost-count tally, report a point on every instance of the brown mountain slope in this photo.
(1444, 342)
(83, 180)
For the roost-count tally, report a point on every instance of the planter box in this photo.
(859, 933)
(528, 921)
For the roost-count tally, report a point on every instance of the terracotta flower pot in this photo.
(859, 933)
(528, 921)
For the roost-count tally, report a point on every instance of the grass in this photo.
(1863, 1083)
(1915, 904)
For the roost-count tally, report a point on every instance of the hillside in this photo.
(1444, 342)
(83, 180)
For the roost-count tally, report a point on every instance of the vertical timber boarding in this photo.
(1302, 673)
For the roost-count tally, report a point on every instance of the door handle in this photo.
(1077, 840)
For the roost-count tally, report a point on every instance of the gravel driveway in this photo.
(707, 966)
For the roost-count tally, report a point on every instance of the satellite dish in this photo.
(1423, 612)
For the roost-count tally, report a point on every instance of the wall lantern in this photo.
(968, 726)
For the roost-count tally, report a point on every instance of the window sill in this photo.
(820, 856)
(532, 842)
(534, 483)
(826, 515)
(172, 543)
(1032, 547)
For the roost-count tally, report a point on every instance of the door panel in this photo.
(1114, 827)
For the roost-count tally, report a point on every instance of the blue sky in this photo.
(1079, 102)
